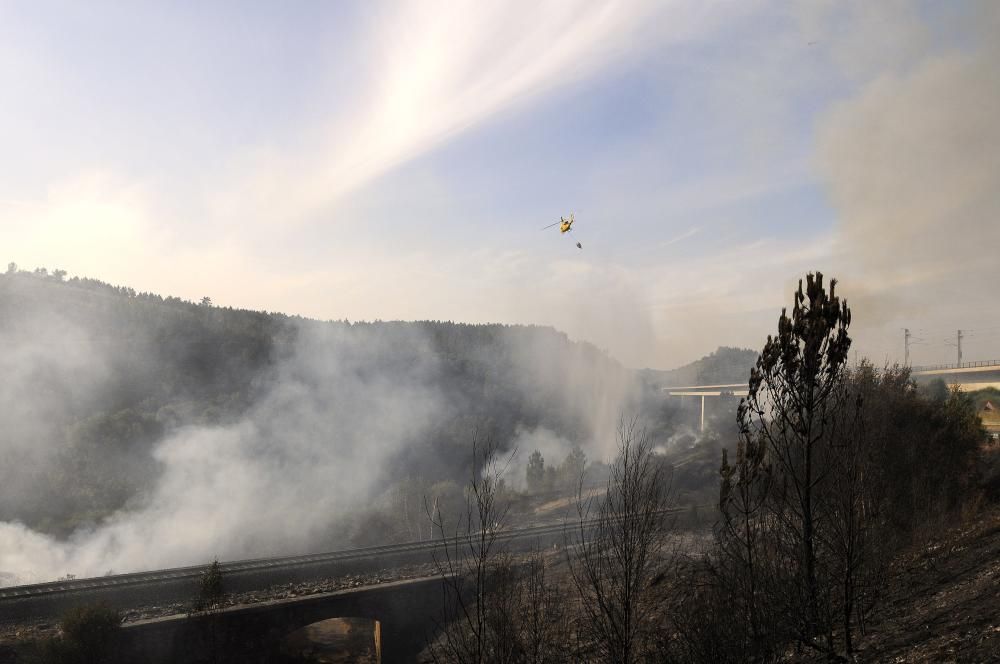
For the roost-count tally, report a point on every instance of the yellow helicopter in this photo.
(565, 226)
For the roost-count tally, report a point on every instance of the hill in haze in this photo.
(722, 367)
(123, 408)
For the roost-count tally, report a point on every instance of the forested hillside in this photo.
(725, 365)
(96, 377)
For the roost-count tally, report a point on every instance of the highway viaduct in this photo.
(968, 376)
(408, 613)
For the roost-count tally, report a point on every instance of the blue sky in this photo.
(397, 160)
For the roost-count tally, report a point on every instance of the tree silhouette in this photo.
(536, 472)
(792, 404)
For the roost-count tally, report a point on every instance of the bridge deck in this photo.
(965, 367)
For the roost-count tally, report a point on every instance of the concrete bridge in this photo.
(968, 376)
(703, 391)
(407, 613)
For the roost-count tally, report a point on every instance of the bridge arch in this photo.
(348, 639)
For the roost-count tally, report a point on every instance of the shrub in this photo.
(211, 590)
(89, 635)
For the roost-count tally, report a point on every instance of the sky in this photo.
(398, 160)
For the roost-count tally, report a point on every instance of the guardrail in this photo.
(963, 365)
(67, 586)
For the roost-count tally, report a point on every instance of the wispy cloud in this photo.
(691, 232)
(711, 143)
(439, 68)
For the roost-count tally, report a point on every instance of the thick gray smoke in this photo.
(588, 387)
(273, 482)
(335, 416)
(913, 166)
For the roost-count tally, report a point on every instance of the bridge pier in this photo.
(707, 391)
(702, 429)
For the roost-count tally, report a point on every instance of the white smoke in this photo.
(340, 410)
(274, 482)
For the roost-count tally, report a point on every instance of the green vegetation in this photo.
(211, 589)
(566, 476)
(722, 367)
(88, 636)
(980, 397)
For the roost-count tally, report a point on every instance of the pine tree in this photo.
(793, 399)
(536, 472)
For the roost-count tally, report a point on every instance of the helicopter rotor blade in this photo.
(551, 225)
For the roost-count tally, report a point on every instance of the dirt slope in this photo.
(943, 604)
